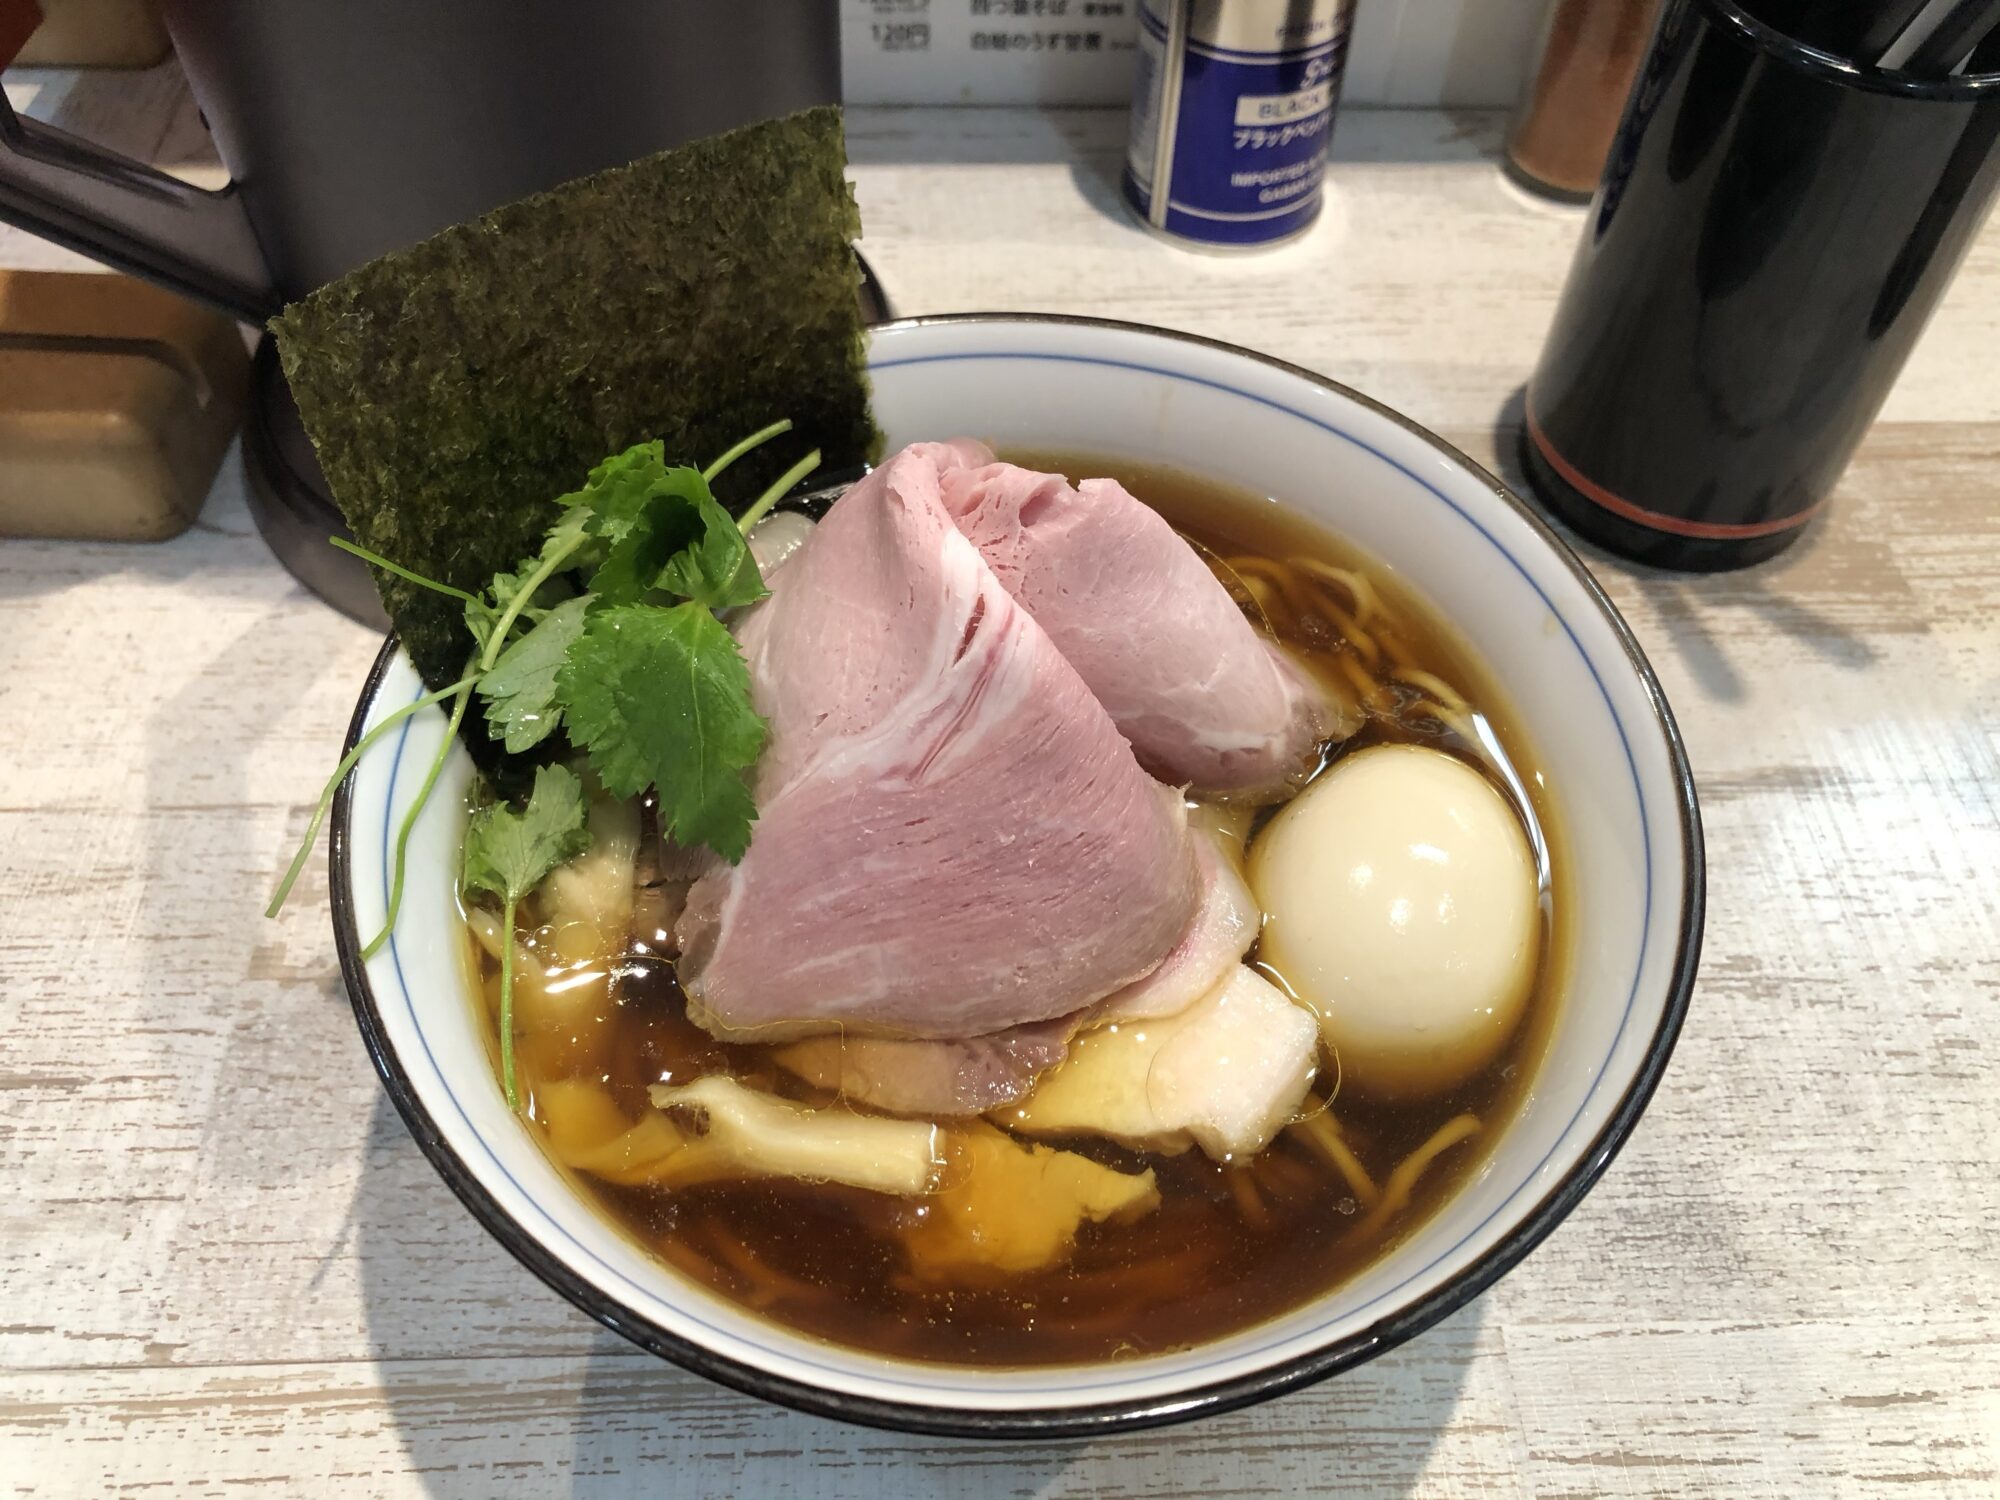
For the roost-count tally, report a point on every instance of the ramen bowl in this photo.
(1551, 642)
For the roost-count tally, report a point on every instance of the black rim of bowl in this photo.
(1137, 1412)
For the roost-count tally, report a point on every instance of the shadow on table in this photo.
(641, 1423)
(1694, 605)
(221, 551)
(491, 1380)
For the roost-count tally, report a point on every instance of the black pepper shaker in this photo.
(1775, 225)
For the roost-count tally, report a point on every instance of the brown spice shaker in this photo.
(96, 34)
(1572, 109)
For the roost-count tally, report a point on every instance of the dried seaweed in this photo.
(455, 389)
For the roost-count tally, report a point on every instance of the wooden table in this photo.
(224, 1266)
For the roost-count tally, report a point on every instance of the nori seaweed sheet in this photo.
(455, 389)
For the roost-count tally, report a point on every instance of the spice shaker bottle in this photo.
(1232, 108)
(1590, 55)
(1775, 225)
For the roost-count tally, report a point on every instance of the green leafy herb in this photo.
(661, 698)
(716, 569)
(756, 440)
(658, 528)
(520, 690)
(409, 824)
(644, 513)
(655, 693)
(621, 494)
(776, 491)
(507, 853)
(483, 611)
(347, 763)
(399, 571)
(527, 591)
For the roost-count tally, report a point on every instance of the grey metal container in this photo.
(357, 127)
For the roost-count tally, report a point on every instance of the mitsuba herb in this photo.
(507, 854)
(607, 633)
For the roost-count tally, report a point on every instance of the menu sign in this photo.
(988, 51)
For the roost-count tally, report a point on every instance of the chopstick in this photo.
(1942, 36)
(1860, 29)
(1878, 32)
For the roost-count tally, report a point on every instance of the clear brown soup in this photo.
(1229, 1246)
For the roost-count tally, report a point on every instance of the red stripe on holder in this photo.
(1716, 531)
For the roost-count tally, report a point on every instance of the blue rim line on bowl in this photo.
(1131, 1412)
(940, 1378)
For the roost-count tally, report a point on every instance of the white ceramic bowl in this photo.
(1563, 659)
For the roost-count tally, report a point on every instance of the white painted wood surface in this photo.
(225, 1268)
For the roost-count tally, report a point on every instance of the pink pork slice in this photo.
(952, 837)
(1224, 926)
(937, 1079)
(981, 1073)
(1205, 699)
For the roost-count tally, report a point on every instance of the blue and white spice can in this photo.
(1231, 115)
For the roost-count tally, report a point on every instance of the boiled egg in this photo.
(1401, 906)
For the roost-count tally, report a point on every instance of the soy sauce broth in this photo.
(1229, 1246)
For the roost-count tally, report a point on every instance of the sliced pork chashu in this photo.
(953, 838)
(1205, 699)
